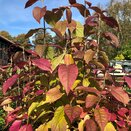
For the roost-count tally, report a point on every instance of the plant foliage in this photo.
(63, 92)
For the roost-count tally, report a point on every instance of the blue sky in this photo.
(16, 20)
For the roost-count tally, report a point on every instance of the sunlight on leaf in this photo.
(32, 107)
(58, 123)
(109, 127)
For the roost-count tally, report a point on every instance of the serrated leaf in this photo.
(109, 127)
(120, 94)
(88, 56)
(53, 94)
(101, 117)
(91, 100)
(67, 76)
(15, 126)
(90, 125)
(79, 31)
(38, 13)
(56, 61)
(9, 82)
(72, 112)
(58, 123)
(43, 64)
(32, 107)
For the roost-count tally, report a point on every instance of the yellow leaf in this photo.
(68, 59)
(44, 127)
(58, 123)
(81, 125)
(75, 84)
(85, 82)
(109, 127)
(32, 107)
(56, 61)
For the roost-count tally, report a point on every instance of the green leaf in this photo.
(32, 107)
(79, 32)
(58, 123)
(56, 61)
(50, 52)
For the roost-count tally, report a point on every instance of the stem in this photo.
(98, 35)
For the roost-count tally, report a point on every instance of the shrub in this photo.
(64, 93)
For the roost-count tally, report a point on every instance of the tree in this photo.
(121, 11)
(6, 35)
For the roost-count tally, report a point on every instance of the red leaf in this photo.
(30, 2)
(89, 89)
(90, 125)
(111, 22)
(82, 9)
(121, 123)
(27, 127)
(91, 100)
(10, 82)
(38, 13)
(122, 111)
(42, 63)
(68, 15)
(72, 1)
(128, 81)
(58, 33)
(101, 117)
(112, 37)
(32, 52)
(88, 3)
(113, 116)
(67, 75)
(96, 9)
(72, 112)
(91, 21)
(15, 126)
(120, 94)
